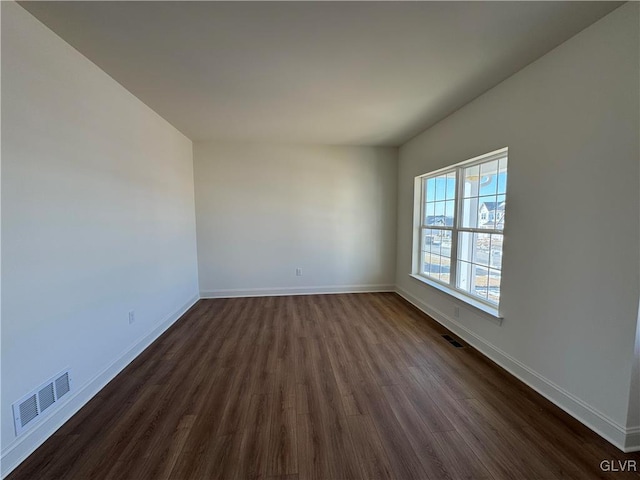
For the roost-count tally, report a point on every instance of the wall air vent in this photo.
(62, 384)
(37, 404)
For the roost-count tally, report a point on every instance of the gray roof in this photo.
(492, 206)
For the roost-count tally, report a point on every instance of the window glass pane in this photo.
(436, 266)
(471, 177)
(496, 251)
(500, 210)
(430, 189)
(488, 178)
(436, 246)
(481, 279)
(470, 214)
(445, 275)
(450, 213)
(441, 187)
(431, 265)
(445, 264)
(424, 240)
(475, 280)
(487, 210)
(440, 267)
(481, 248)
(465, 246)
(424, 268)
(451, 186)
(464, 276)
(440, 210)
(430, 239)
(445, 243)
(493, 290)
(502, 175)
(435, 255)
(428, 212)
(437, 215)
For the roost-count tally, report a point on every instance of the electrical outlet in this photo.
(298, 272)
(132, 317)
(456, 312)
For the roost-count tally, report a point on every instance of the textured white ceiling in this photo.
(359, 73)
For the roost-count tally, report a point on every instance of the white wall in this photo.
(264, 210)
(97, 219)
(571, 252)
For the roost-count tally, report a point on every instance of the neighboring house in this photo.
(490, 212)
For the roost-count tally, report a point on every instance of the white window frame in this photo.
(420, 223)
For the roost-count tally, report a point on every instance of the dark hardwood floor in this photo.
(322, 387)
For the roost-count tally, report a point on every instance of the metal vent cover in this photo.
(62, 384)
(46, 397)
(28, 410)
(452, 341)
(36, 404)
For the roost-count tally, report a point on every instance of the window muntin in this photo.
(461, 226)
(438, 217)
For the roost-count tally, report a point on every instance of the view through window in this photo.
(462, 223)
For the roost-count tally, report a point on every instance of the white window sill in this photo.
(486, 311)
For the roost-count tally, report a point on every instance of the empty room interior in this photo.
(268, 240)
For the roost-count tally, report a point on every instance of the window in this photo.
(460, 228)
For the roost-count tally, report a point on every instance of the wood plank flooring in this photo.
(327, 387)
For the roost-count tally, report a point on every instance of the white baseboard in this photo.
(626, 439)
(15, 453)
(632, 443)
(275, 292)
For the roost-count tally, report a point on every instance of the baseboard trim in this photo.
(276, 292)
(15, 453)
(626, 439)
(632, 443)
